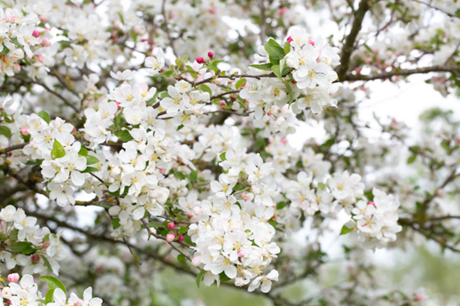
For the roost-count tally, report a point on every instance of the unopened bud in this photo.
(40, 58)
(25, 131)
(289, 39)
(36, 33)
(13, 278)
(196, 261)
(43, 18)
(197, 210)
(210, 54)
(181, 238)
(240, 253)
(45, 42)
(170, 237)
(200, 60)
(171, 226)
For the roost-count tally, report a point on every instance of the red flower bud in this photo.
(171, 226)
(181, 238)
(210, 54)
(200, 60)
(289, 39)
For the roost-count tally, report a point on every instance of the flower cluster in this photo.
(28, 245)
(25, 292)
(19, 39)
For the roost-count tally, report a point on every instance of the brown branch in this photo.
(436, 8)
(351, 38)
(12, 148)
(406, 72)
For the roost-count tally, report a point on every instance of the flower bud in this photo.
(210, 54)
(35, 258)
(25, 131)
(118, 104)
(36, 33)
(181, 238)
(371, 203)
(196, 261)
(200, 60)
(43, 18)
(45, 42)
(171, 226)
(17, 67)
(170, 237)
(240, 253)
(289, 39)
(40, 58)
(13, 278)
(138, 30)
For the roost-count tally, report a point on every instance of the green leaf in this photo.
(165, 94)
(238, 187)
(457, 12)
(83, 151)
(223, 156)
(265, 67)
(58, 150)
(64, 43)
(240, 83)
(282, 65)
(49, 296)
(281, 205)
(321, 186)
(368, 48)
(91, 160)
(124, 135)
(205, 88)
(47, 263)
(411, 159)
(274, 50)
(90, 169)
(45, 116)
(180, 127)
(181, 258)
(19, 246)
(213, 67)
(290, 91)
(223, 277)
(121, 18)
(199, 277)
(192, 73)
(167, 73)
(4, 130)
(5, 50)
(53, 282)
(276, 70)
(287, 47)
(193, 176)
(115, 223)
(445, 145)
(345, 230)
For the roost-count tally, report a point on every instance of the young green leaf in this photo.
(58, 150)
(4, 130)
(240, 83)
(199, 277)
(45, 116)
(53, 282)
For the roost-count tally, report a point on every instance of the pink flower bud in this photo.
(171, 226)
(240, 253)
(45, 42)
(371, 203)
(212, 10)
(312, 43)
(196, 261)
(222, 103)
(282, 11)
(43, 18)
(419, 297)
(36, 33)
(13, 278)
(170, 237)
(210, 54)
(25, 131)
(189, 215)
(200, 60)
(118, 104)
(10, 154)
(181, 238)
(289, 39)
(40, 58)
(17, 67)
(283, 140)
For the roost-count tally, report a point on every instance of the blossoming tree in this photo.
(171, 120)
